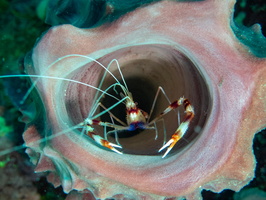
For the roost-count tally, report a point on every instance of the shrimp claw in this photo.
(97, 138)
(181, 130)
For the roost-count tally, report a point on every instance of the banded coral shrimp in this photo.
(135, 117)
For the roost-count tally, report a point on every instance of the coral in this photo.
(199, 37)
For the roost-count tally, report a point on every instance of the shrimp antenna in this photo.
(63, 79)
(58, 60)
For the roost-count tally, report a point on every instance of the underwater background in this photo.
(22, 23)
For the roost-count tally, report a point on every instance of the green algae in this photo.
(4, 129)
(4, 162)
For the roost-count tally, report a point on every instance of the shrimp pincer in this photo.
(97, 138)
(183, 127)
